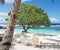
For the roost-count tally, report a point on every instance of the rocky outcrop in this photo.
(1, 36)
(1, 27)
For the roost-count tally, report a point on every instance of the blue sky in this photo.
(52, 9)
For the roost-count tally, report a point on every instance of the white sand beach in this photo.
(48, 42)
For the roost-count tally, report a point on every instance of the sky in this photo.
(52, 9)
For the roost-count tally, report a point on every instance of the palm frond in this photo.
(2, 1)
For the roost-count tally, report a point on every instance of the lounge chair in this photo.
(36, 42)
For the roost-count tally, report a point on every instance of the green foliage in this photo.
(31, 14)
(6, 19)
(9, 13)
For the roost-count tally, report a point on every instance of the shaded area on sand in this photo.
(54, 40)
(46, 45)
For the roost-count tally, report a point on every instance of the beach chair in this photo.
(36, 42)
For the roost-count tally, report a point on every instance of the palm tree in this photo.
(8, 35)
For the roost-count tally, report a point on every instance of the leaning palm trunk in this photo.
(8, 36)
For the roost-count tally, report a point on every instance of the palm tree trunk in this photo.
(8, 36)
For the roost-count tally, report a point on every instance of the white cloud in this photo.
(53, 19)
(2, 13)
(2, 17)
(25, 0)
(11, 1)
(2, 20)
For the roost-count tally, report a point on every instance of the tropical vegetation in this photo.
(31, 16)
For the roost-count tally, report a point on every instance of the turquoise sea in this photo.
(54, 29)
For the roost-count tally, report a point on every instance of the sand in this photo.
(48, 42)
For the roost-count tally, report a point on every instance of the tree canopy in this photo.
(32, 16)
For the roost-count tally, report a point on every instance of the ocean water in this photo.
(54, 29)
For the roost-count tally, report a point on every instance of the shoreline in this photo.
(44, 34)
(38, 34)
